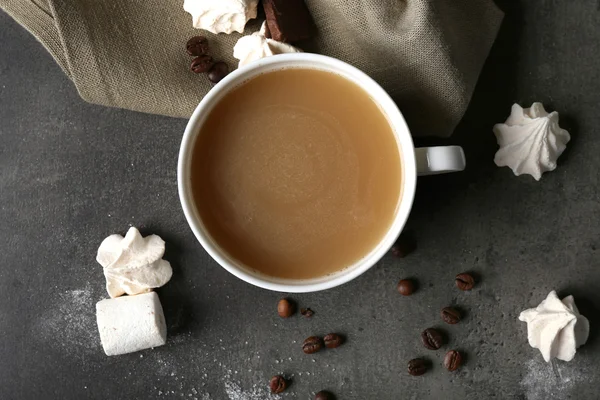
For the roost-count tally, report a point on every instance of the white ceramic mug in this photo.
(422, 161)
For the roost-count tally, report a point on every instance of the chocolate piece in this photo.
(288, 20)
(267, 31)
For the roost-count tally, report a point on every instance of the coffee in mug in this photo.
(296, 173)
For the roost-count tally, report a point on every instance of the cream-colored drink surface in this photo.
(296, 173)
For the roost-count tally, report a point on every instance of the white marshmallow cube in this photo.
(131, 323)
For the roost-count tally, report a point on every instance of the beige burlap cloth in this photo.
(131, 53)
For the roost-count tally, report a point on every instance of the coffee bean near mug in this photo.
(406, 287)
(333, 340)
(312, 345)
(197, 46)
(292, 194)
(450, 315)
(432, 339)
(465, 281)
(277, 384)
(452, 360)
(285, 308)
(323, 395)
(417, 367)
(202, 64)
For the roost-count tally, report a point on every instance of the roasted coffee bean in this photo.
(197, 46)
(465, 281)
(405, 245)
(333, 340)
(278, 384)
(323, 395)
(202, 64)
(432, 338)
(452, 360)
(406, 287)
(307, 312)
(218, 71)
(450, 315)
(417, 367)
(312, 345)
(285, 308)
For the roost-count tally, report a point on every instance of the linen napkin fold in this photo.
(131, 53)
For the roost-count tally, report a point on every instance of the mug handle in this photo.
(440, 160)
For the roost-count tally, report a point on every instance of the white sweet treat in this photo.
(257, 45)
(530, 141)
(133, 264)
(556, 328)
(131, 323)
(221, 16)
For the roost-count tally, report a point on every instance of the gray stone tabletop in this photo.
(72, 173)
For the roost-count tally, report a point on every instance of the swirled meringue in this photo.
(556, 328)
(133, 264)
(530, 141)
(256, 46)
(221, 16)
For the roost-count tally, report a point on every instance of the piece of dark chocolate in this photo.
(288, 20)
(267, 31)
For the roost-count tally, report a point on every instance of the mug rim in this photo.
(401, 133)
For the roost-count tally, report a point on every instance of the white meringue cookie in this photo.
(133, 264)
(256, 46)
(221, 16)
(556, 328)
(530, 141)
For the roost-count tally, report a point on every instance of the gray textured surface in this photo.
(72, 173)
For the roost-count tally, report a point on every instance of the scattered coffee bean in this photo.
(197, 46)
(450, 315)
(307, 312)
(432, 338)
(465, 281)
(406, 287)
(218, 71)
(452, 360)
(417, 367)
(285, 308)
(405, 245)
(202, 64)
(278, 384)
(312, 345)
(333, 340)
(323, 395)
